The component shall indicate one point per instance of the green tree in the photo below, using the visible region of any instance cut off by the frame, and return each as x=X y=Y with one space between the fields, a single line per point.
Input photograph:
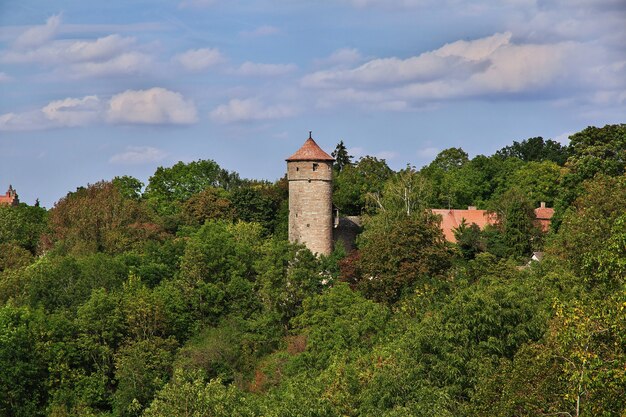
x=189 y=394
x=450 y=159
x=469 y=240
x=170 y=186
x=516 y=223
x=342 y=158
x=398 y=255
x=287 y=274
x=537 y=150
x=336 y=321
x=593 y=151
x=590 y=239
x=14 y=256
x=130 y=187
x=142 y=367
x=22 y=360
x=22 y=225
x=209 y=204
x=356 y=181
x=100 y=218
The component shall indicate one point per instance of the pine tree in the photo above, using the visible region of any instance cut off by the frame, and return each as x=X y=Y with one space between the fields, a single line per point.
x=341 y=156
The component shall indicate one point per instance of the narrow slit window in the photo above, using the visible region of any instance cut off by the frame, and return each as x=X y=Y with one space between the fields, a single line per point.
x=315 y=166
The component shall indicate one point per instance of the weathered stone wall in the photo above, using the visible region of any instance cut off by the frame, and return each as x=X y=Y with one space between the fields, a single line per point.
x=310 y=204
x=347 y=231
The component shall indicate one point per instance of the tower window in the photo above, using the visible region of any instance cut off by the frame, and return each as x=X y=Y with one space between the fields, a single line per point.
x=297 y=168
x=315 y=167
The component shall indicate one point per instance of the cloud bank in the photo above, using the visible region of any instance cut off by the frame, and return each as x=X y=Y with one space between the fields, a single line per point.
x=155 y=106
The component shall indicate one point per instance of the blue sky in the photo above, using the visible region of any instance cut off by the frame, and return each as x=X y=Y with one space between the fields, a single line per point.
x=91 y=90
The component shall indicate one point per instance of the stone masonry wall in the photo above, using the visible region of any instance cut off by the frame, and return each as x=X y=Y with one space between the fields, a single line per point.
x=310 y=205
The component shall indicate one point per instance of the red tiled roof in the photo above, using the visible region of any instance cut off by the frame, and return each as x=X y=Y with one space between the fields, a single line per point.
x=544 y=213
x=451 y=219
x=310 y=151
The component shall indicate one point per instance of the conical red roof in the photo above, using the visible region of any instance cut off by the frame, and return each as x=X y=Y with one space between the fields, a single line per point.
x=310 y=151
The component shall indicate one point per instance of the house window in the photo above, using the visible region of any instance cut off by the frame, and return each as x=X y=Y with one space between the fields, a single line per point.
x=315 y=167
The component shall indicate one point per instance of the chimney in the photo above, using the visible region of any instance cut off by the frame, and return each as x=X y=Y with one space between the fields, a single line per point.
x=471 y=207
x=543 y=204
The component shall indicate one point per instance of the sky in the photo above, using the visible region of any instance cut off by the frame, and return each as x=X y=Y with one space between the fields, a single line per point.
x=92 y=90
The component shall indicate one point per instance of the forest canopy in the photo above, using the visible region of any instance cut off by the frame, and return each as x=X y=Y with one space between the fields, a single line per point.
x=183 y=296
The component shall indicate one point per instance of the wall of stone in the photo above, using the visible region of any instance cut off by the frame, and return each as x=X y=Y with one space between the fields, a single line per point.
x=347 y=231
x=310 y=205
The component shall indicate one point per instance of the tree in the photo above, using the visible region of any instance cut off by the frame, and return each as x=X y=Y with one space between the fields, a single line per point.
x=142 y=367
x=189 y=394
x=22 y=225
x=170 y=186
x=259 y=203
x=598 y=150
x=404 y=194
x=449 y=159
x=209 y=204
x=536 y=149
x=342 y=159
x=130 y=187
x=469 y=240
x=404 y=253
x=339 y=320
x=13 y=256
x=287 y=274
x=516 y=222
x=354 y=182
x=22 y=360
x=590 y=239
x=539 y=181
x=593 y=151
x=100 y=218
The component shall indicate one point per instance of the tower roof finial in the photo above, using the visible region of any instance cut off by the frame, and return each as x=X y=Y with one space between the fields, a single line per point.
x=310 y=133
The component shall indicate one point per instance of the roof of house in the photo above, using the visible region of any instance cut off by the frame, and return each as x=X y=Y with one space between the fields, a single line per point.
x=452 y=218
x=544 y=213
x=310 y=151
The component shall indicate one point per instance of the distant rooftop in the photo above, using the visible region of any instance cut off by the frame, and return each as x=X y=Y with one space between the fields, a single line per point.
x=452 y=219
x=310 y=151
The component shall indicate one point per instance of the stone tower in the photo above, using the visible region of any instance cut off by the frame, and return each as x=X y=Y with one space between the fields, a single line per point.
x=310 y=175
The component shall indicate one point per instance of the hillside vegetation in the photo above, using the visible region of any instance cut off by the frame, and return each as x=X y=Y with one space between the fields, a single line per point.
x=183 y=297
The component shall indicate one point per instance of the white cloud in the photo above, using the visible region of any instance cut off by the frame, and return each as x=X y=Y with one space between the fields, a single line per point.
x=484 y=67
x=154 y=106
x=386 y=155
x=105 y=56
x=137 y=155
x=38 y=35
x=265 y=30
x=72 y=112
x=200 y=59
x=265 y=70
x=563 y=138
x=32 y=120
x=71 y=51
x=101 y=49
x=123 y=64
x=238 y=110
x=340 y=58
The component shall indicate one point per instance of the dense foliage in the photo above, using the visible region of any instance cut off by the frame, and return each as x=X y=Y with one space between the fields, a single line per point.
x=186 y=299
